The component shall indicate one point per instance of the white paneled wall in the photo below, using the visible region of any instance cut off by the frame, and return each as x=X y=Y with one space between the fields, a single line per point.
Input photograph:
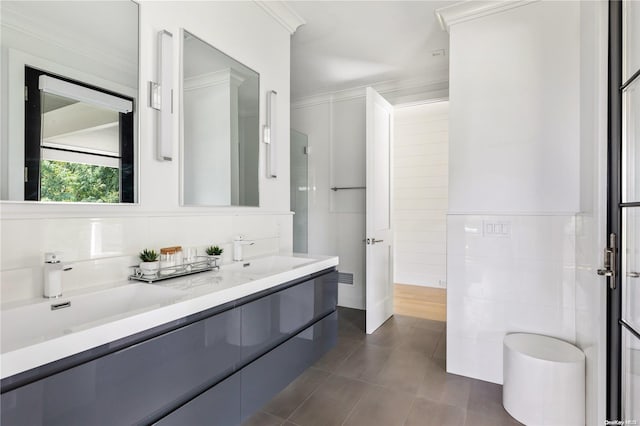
x=421 y=151
x=515 y=110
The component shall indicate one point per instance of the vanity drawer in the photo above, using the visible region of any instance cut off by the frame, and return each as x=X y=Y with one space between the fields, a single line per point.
x=219 y=406
x=272 y=372
x=270 y=320
x=133 y=384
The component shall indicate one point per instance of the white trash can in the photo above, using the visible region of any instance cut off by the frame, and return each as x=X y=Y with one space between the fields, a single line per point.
x=544 y=380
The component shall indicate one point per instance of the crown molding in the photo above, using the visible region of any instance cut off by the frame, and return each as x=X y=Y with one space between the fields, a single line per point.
x=283 y=13
x=45 y=31
x=384 y=88
x=473 y=9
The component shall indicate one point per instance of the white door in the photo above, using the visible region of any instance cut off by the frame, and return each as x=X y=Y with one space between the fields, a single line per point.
x=379 y=236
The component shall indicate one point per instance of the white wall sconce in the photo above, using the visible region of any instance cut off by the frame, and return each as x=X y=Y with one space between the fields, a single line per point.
x=161 y=97
x=269 y=135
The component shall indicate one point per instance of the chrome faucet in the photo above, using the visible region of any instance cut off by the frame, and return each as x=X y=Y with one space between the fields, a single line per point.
x=238 y=242
x=53 y=268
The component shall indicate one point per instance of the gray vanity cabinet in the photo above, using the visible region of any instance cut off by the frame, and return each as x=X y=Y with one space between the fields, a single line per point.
x=219 y=368
x=134 y=384
x=259 y=381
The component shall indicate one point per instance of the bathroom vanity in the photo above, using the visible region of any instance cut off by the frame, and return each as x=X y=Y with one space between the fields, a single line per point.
x=206 y=349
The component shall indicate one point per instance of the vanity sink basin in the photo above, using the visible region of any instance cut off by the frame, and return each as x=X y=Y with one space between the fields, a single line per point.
x=25 y=325
x=268 y=265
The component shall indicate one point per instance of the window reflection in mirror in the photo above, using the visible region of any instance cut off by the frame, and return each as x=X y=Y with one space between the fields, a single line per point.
x=92 y=44
x=78 y=142
x=220 y=134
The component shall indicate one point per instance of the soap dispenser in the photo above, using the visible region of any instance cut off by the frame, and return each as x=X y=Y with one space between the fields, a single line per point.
x=53 y=268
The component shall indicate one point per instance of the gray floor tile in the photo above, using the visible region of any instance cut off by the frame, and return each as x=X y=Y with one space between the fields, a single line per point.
x=480 y=418
x=485 y=397
x=420 y=340
x=390 y=334
x=485 y=403
x=337 y=355
x=439 y=386
x=293 y=395
x=331 y=403
x=431 y=325
x=351 y=321
x=404 y=371
x=428 y=413
x=381 y=407
x=365 y=363
x=395 y=376
x=263 y=419
x=403 y=320
x=441 y=348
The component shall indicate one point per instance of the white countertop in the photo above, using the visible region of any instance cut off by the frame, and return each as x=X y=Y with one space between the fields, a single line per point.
x=196 y=293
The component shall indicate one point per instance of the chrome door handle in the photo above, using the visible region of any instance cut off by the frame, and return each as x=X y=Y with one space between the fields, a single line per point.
x=633 y=274
x=372 y=241
x=605 y=272
x=609 y=269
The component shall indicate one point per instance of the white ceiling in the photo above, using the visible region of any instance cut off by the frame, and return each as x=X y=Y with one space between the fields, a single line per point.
x=347 y=44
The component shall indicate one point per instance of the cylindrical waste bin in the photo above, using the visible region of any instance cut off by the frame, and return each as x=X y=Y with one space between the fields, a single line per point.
x=544 y=380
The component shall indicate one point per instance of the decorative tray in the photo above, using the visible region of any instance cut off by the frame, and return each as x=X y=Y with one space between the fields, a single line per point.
x=166 y=272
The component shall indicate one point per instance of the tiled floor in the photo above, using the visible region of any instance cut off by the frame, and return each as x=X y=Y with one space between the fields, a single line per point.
x=395 y=376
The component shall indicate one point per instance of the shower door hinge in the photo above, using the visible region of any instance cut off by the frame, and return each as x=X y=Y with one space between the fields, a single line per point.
x=609 y=269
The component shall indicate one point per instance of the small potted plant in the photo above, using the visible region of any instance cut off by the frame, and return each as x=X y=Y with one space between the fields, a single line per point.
x=149 y=263
x=214 y=253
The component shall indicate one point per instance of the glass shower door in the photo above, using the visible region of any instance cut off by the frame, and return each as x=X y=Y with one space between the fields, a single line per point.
x=299 y=190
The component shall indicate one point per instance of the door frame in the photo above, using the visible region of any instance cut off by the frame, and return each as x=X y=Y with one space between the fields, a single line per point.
x=615 y=206
x=614 y=135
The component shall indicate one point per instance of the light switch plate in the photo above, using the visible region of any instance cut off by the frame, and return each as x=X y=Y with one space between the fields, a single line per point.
x=493 y=228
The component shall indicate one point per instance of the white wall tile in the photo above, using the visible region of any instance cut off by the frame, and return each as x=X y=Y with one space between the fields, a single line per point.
x=101 y=249
x=497 y=286
x=476 y=358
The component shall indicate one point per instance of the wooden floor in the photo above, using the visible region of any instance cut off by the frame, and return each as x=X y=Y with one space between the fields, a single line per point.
x=420 y=302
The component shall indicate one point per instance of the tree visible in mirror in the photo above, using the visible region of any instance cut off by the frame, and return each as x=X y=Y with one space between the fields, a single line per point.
x=75 y=182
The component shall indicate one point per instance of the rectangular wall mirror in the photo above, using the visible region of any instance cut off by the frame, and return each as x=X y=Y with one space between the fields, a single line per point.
x=220 y=127
x=69 y=85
